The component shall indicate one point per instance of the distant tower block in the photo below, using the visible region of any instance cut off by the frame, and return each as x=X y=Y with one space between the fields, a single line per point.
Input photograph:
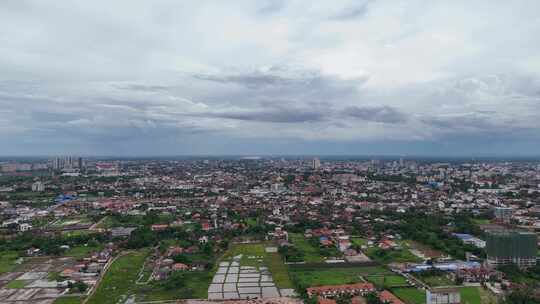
x=315 y=163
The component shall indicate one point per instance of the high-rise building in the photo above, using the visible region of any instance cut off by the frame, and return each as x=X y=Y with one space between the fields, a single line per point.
x=67 y=162
x=503 y=214
x=38 y=186
x=315 y=163
x=511 y=247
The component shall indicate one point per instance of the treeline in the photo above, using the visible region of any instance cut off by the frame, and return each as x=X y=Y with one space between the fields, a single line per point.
x=428 y=229
x=49 y=245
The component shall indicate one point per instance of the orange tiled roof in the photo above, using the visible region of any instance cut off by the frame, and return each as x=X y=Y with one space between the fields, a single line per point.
x=322 y=300
x=337 y=288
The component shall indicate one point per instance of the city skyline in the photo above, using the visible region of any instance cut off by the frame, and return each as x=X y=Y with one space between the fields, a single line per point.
x=270 y=78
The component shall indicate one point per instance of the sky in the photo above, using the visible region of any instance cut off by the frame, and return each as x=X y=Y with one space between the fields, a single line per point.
x=130 y=78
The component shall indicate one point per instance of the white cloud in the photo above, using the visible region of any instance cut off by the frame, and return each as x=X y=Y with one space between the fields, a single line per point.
x=264 y=70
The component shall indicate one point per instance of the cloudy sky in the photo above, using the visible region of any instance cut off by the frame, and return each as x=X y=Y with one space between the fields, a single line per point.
x=269 y=77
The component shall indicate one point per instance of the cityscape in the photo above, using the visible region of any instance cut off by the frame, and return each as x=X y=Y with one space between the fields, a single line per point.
x=269 y=152
x=270 y=229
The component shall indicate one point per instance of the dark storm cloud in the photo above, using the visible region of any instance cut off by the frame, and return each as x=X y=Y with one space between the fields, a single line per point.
x=480 y=122
x=384 y=114
x=353 y=12
x=269 y=7
x=144 y=88
x=252 y=81
x=272 y=115
x=281 y=78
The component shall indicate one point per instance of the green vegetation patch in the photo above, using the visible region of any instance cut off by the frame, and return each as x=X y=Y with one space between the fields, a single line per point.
x=68 y=300
x=316 y=276
x=357 y=241
x=410 y=295
x=7 y=261
x=311 y=253
x=119 y=281
x=74 y=220
x=387 y=281
x=279 y=270
x=16 y=284
x=480 y=221
x=82 y=251
x=470 y=295
x=186 y=285
x=392 y=256
x=256 y=249
x=436 y=281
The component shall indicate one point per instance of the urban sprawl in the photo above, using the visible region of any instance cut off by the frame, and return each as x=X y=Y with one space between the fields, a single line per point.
x=269 y=230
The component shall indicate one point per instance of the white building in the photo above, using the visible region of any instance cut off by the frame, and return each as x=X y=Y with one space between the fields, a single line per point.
x=443 y=296
x=24 y=227
x=38 y=186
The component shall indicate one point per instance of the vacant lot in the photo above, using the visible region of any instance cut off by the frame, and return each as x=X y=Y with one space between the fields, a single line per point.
x=359 y=241
x=68 y=300
x=392 y=256
x=82 y=251
x=410 y=295
x=70 y=221
x=7 y=261
x=436 y=280
x=16 y=284
x=387 y=281
x=426 y=250
x=470 y=295
x=195 y=286
x=279 y=270
x=119 y=281
x=311 y=253
x=316 y=276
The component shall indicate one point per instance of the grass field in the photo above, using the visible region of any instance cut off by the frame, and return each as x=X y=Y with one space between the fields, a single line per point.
x=77 y=232
x=481 y=221
x=75 y=220
x=333 y=275
x=16 y=284
x=247 y=251
x=7 y=261
x=387 y=281
x=256 y=249
x=82 y=251
x=470 y=295
x=359 y=241
x=279 y=270
x=119 y=281
x=392 y=256
x=311 y=253
x=410 y=295
x=251 y=221
x=68 y=300
x=436 y=281
x=486 y=297
x=195 y=287
x=106 y=223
